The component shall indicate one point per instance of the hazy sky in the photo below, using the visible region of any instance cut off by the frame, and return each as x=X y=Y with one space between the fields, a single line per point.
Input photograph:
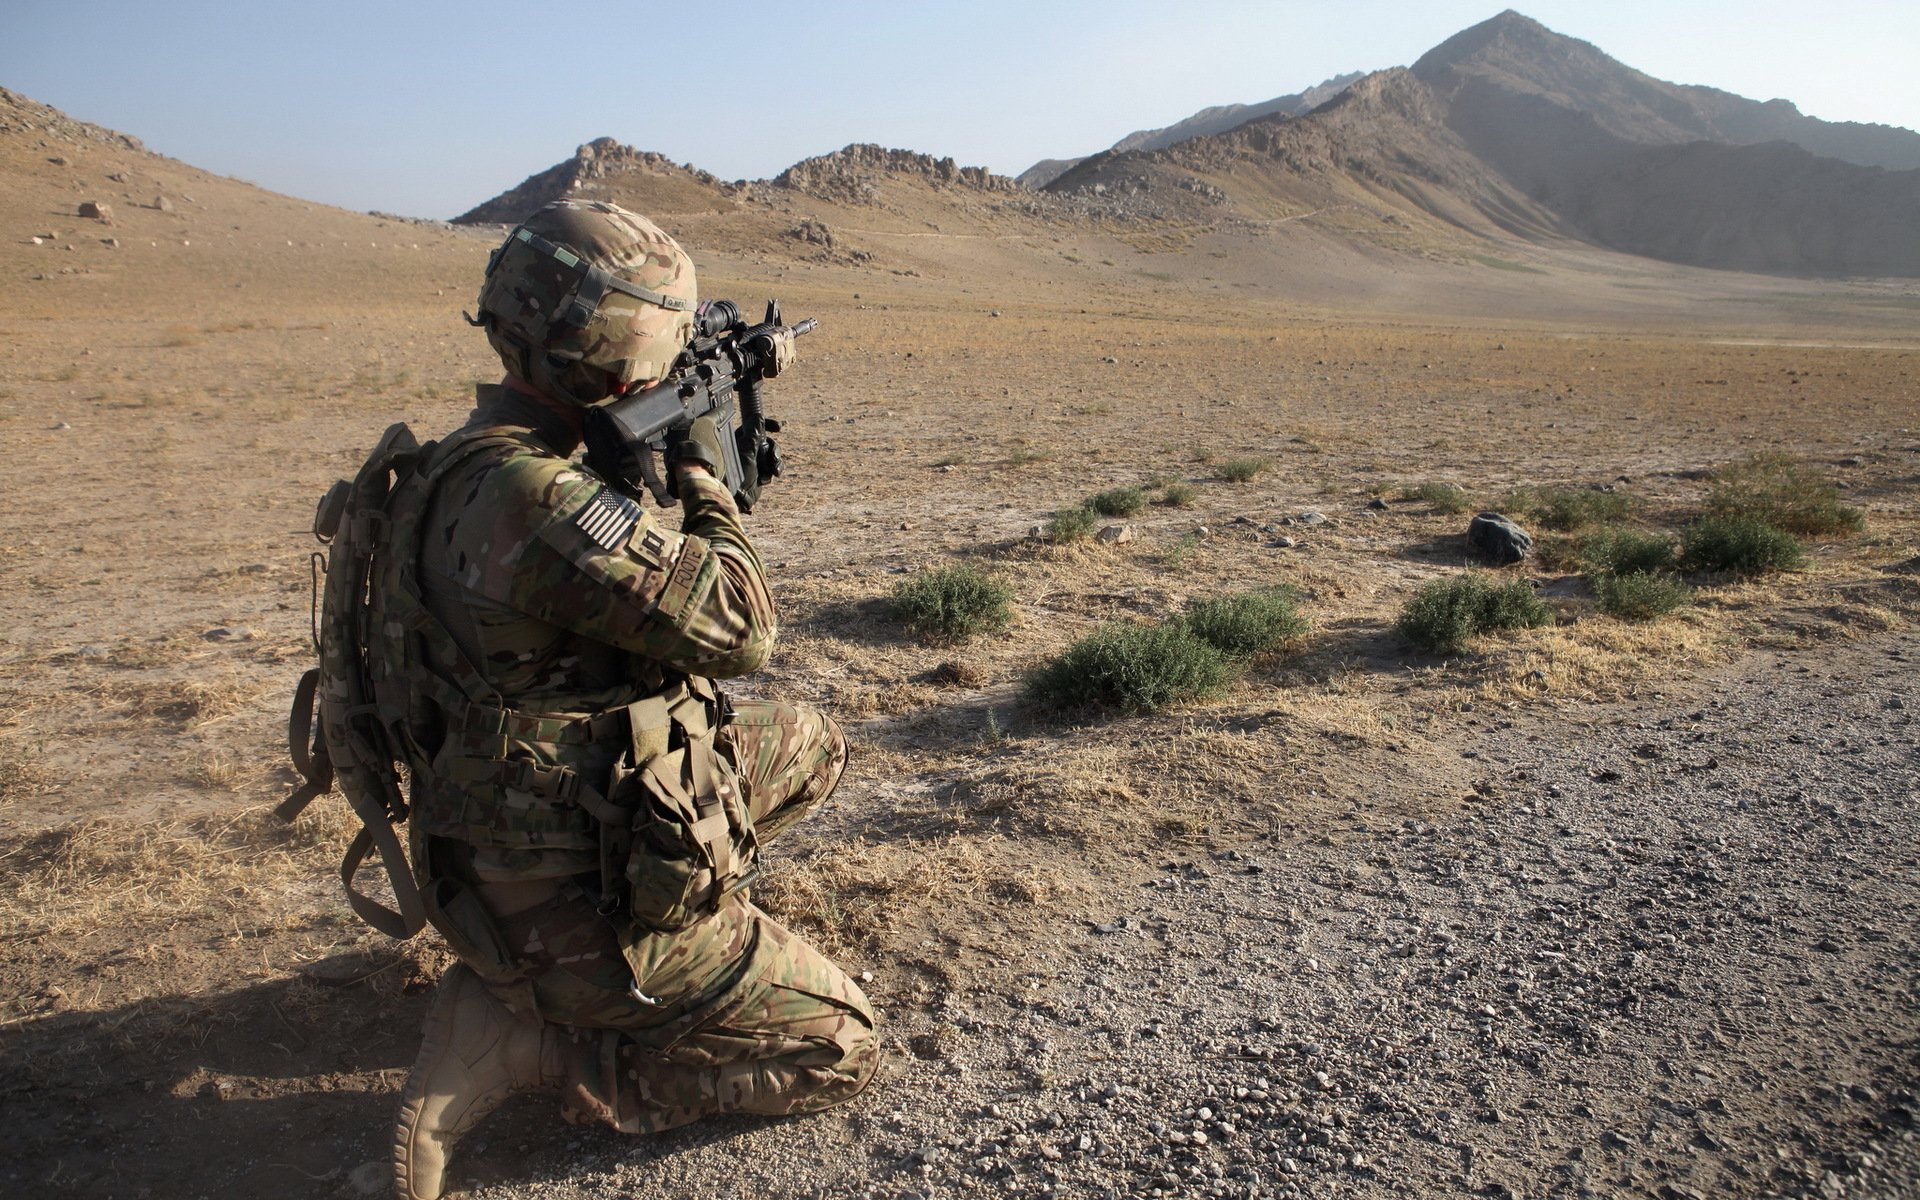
x=429 y=108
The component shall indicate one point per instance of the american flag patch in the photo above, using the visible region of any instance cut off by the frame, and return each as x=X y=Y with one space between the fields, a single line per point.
x=608 y=519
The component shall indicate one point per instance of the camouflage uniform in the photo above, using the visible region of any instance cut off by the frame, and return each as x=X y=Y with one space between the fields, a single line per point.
x=570 y=600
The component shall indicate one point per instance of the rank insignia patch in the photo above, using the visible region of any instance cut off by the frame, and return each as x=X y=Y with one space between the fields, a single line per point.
x=608 y=519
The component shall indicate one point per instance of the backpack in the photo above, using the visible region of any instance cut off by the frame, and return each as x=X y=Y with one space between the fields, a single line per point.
x=336 y=733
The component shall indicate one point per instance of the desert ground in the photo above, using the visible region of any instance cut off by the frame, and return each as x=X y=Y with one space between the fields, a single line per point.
x=1597 y=909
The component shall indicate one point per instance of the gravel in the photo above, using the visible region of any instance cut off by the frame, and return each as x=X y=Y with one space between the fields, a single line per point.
x=1672 y=951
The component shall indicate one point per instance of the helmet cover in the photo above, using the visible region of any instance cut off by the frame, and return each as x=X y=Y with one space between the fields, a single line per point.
x=585 y=299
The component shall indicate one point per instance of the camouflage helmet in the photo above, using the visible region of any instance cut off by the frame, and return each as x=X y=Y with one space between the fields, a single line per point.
x=585 y=298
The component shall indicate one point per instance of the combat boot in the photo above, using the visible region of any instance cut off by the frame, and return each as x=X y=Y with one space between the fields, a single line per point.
x=474 y=1053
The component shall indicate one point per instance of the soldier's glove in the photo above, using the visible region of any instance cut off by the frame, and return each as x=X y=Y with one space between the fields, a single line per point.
x=697 y=442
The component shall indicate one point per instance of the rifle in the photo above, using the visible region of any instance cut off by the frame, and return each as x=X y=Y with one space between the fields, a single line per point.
x=718 y=375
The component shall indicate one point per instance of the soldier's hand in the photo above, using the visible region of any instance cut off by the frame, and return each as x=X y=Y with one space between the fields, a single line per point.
x=699 y=443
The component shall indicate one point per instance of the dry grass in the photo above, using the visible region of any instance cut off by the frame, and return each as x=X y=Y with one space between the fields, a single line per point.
x=148 y=653
x=218 y=771
x=21 y=773
x=1606 y=660
x=189 y=703
x=93 y=876
x=848 y=896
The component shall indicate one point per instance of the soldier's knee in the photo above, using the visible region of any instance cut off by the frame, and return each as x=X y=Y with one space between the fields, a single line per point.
x=835 y=743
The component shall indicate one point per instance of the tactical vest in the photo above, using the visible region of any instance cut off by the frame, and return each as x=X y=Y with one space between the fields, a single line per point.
x=647 y=784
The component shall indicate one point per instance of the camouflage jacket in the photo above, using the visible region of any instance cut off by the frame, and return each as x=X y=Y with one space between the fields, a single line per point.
x=570 y=598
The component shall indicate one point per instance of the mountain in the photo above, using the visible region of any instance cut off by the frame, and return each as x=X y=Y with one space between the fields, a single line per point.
x=1516 y=56
x=604 y=169
x=1508 y=129
x=1637 y=164
x=1379 y=153
x=1217 y=119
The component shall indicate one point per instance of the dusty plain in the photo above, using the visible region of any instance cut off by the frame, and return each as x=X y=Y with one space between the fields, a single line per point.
x=1397 y=925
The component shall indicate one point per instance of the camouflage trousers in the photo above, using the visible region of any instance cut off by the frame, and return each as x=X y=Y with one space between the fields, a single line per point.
x=733 y=1014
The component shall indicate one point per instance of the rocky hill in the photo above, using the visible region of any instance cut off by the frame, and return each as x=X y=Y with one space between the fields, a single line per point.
x=1223 y=117
x=605 y=169
x=28 y=118
x=852 y=175
x=1218 y=119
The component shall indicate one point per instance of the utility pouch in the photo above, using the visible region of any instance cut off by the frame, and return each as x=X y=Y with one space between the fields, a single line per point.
x=690 y=842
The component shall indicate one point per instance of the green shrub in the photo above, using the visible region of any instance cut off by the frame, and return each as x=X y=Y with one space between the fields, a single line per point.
x=1620 y=551
x=1744 y=545
x=1784 y=494
x=1247 y=624
x=1444 y=497
x=1444 y=614
x=1181 y=552
x=1640 y=595
x=1135 y=668
x=1179 y=495
x=1118 y=502
x=1570 y=508
x=953 y=602
x=1241 y=470
x=1072 y=524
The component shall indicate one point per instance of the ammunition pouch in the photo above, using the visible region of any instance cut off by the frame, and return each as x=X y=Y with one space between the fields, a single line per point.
x=688 y=842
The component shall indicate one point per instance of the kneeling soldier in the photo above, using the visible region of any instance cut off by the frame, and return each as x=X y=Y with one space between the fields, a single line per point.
x=592 y=803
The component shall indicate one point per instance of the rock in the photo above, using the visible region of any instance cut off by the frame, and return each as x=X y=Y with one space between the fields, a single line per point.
x=96 y=210
x=1310 y=517
x=1114 y=535
x=1109 y=359
x=1284 y=543
x=61 y=425
x=162 y=203
x=1498 y=539
x=994 y=313
x=110 y=243
x=1376 y=503
x=228 y=633
x=812 y=232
